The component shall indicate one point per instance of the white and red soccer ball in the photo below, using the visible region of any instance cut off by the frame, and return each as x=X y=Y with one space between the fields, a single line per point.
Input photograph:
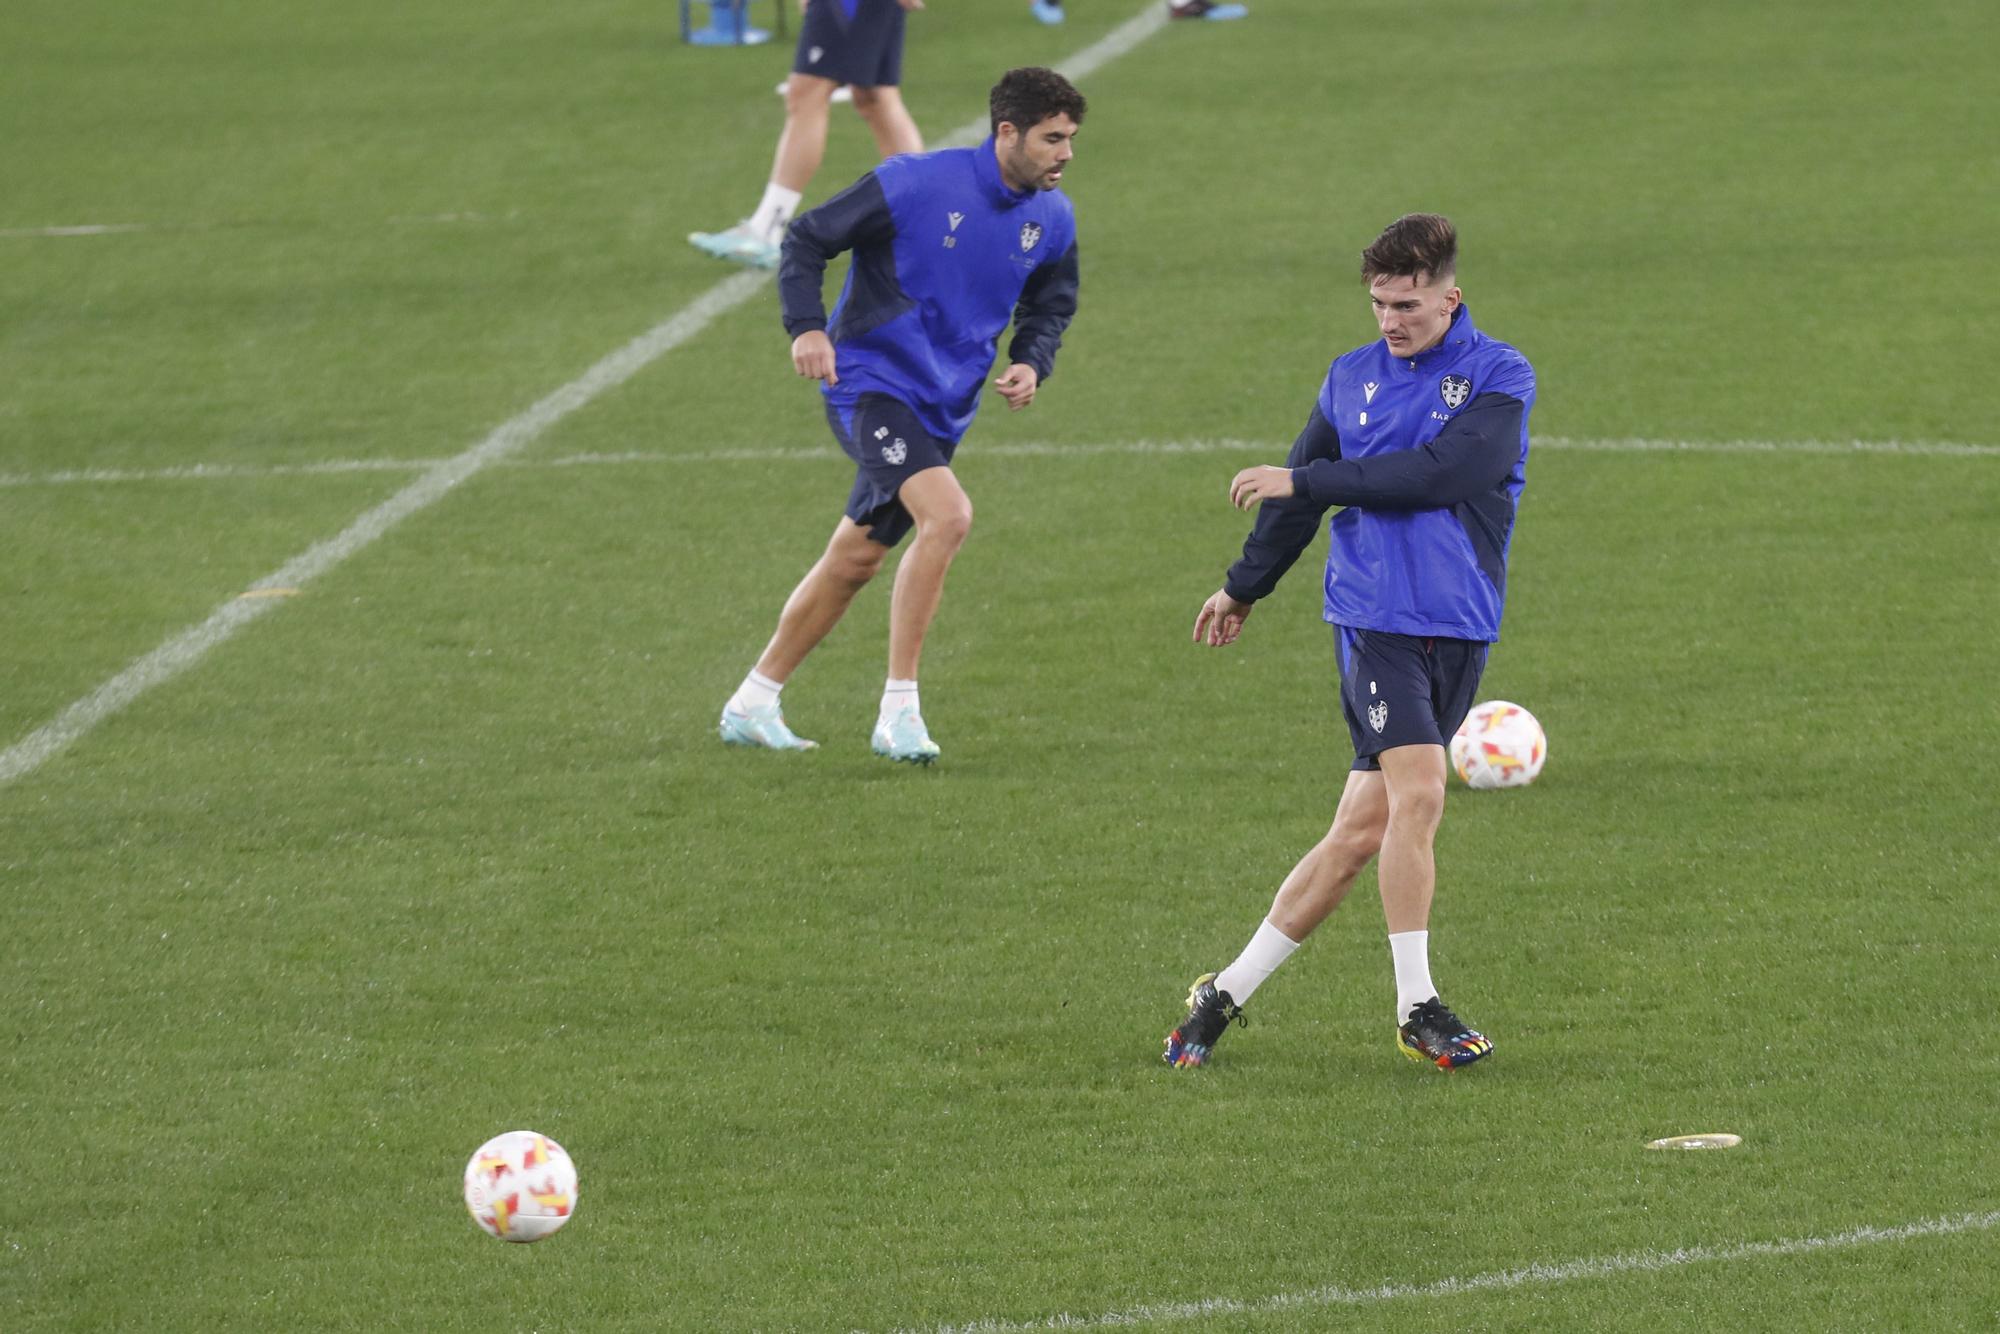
x=520 y=1186
x=1499 y=745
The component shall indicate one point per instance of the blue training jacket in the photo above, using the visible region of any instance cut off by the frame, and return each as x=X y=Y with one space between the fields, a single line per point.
x=1428 y=455
x=945 y=255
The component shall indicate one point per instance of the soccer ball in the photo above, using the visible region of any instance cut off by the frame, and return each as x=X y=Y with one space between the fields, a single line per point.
x=520 y=1186
x=1499 y=745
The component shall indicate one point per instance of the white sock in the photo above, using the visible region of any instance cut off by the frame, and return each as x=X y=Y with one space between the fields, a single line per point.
x=896 y=696
x=1412 y=952
x=756 y=691
x=1260 y=958
x=774 y=212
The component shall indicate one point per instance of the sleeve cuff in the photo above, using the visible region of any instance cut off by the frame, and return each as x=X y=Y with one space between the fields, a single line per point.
x=805 y=324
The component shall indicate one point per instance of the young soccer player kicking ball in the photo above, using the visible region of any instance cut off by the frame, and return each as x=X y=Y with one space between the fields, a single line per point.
x=1423 y=437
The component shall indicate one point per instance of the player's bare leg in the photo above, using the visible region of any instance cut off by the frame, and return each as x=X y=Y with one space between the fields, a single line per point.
x=888 y=120
x=1427 y=1029
x=802 y=143
x=944 y=517
x=756 y=241
x=1308 y=896
x=943 y=514
x=821 y=598
x=1323 y=876
x=752 y=717
x=1414 y=779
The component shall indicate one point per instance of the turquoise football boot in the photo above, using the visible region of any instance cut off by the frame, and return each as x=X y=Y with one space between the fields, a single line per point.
x=763 y=727
x=739 y=245
x=905 y=738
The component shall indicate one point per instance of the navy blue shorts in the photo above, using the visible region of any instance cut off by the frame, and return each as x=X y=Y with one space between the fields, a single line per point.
x=889 y=446
x=1401 y=690
x=852 y=41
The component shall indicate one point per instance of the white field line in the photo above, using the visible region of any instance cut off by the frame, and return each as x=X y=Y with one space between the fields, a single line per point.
x=1535 y=1275
x=201 y=472
x=80 y=229
x=124 y=228
x=1638 y=445
x=1018 y=449
x=188 y=647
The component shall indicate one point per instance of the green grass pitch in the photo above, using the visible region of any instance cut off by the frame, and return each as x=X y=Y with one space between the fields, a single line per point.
x=444 y=844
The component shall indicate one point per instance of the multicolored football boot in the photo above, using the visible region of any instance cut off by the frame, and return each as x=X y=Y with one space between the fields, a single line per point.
x=1436 y=1035
x=1209 y=1012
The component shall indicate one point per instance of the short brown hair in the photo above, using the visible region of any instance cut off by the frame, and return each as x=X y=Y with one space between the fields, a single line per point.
x=1423 y=246
x=1026 y=97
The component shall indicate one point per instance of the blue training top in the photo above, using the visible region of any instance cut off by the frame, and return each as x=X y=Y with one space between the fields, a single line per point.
x=945 y=255
x=1429 y=455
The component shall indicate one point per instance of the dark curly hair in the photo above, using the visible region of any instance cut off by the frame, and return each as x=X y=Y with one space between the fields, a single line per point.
x=1028 y=96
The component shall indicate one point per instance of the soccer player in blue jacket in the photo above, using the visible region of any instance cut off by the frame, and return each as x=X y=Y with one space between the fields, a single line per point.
x=1423 y=438
x=949 y=247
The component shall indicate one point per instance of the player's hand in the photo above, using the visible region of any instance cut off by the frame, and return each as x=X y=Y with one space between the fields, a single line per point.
x=1253 y=485
x=911 y=4
x=1221 y=619
x=1017 y=386
x=812 y=356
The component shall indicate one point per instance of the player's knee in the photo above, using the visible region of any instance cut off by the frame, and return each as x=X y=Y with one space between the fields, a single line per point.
x=805 y=93
x=950 y=525
x=1353 y=846
x=858 y=565
x=853 y=561
x=1417 y=803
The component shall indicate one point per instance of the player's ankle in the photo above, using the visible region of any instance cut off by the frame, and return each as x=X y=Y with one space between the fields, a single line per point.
x=897 y=695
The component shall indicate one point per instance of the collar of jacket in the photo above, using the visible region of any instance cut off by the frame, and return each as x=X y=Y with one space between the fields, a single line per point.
x=986 y=165
x=1458 y=336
